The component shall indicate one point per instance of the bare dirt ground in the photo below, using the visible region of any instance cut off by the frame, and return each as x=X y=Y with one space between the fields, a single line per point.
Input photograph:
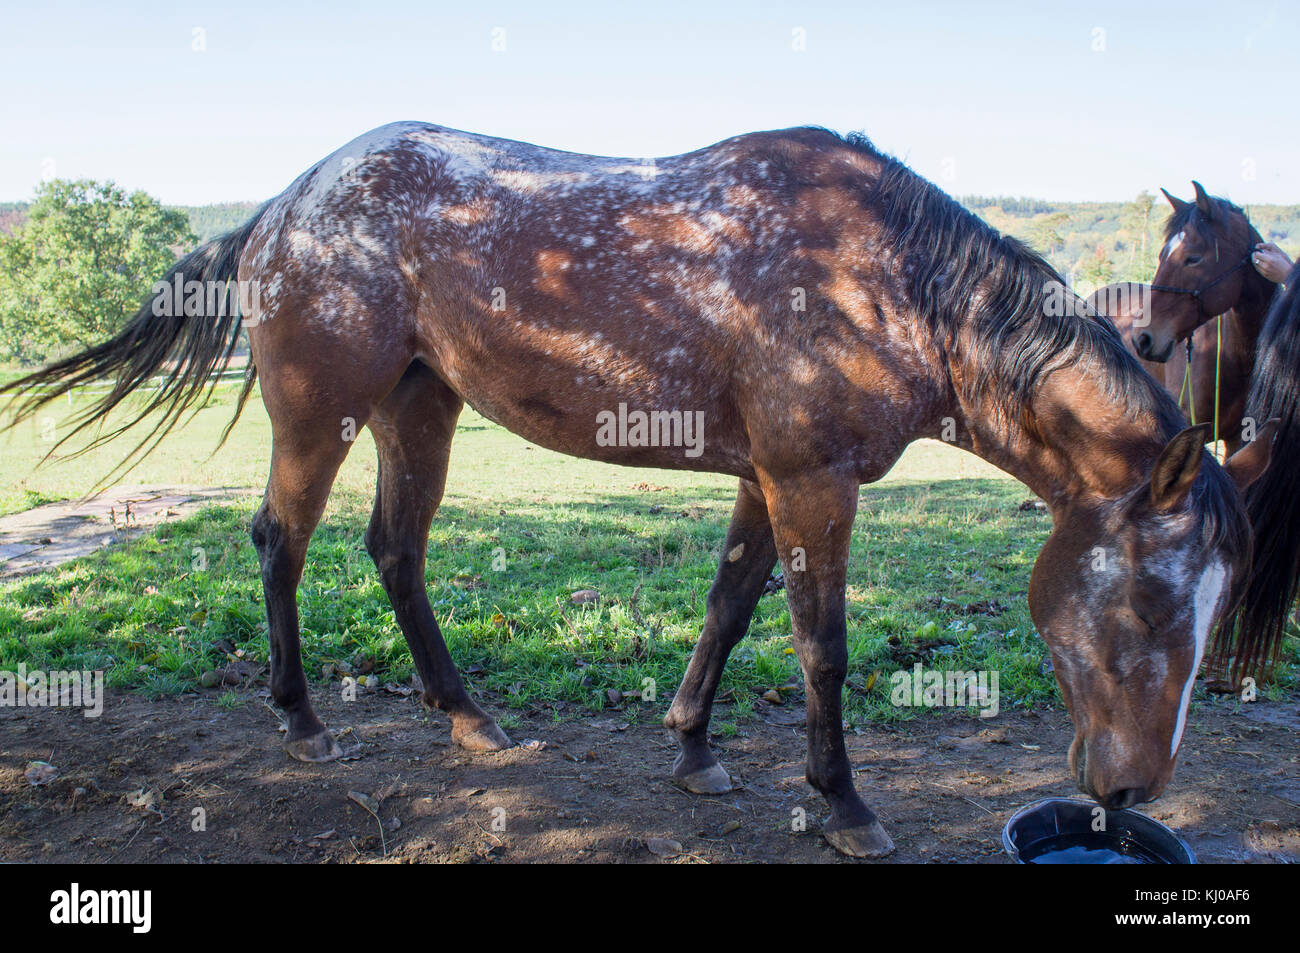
x=590 y=788
x=46 y=536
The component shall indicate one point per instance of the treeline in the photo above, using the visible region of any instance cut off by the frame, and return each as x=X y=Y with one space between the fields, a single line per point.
x=1013 y=206
x=1100 y=242
x=77 y=262
x=209 y=221
x=206 y=221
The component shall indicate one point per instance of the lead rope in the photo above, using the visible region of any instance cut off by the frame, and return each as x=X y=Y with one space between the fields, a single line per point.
x=1189 y=390
x=1218 y=364
x=1187 y=384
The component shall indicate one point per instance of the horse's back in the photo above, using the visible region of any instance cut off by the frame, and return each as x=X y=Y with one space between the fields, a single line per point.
x=551 y=290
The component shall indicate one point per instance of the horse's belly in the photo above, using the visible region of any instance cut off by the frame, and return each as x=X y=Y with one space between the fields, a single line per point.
x=584 y=413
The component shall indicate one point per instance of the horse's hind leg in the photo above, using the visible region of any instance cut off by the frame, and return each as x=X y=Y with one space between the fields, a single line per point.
x=812 y=513
x=413 y=429
x=305 y=458
x=318 y=387
x=748 y=556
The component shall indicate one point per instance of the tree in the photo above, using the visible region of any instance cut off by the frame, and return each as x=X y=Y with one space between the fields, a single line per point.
x=1137 y=219
x=82 y=264
x=1047 y=236
x=1098 y=271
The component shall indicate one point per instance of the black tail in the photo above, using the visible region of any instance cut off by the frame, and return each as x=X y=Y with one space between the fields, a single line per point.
x=1249 y=639
x=191 y=349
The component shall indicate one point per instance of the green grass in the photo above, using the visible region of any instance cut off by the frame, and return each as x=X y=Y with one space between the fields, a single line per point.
x=942 y=531
x=185 y=458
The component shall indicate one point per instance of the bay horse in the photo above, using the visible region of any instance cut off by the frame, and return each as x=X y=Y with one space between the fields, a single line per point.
x=1223 y=359
x=1205 y=271
x=817 y=302
x=1205 y=289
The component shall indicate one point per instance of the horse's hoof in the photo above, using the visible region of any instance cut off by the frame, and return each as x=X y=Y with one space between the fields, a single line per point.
x=314 y=748
x=484 y=737
x=867 y=840
x=711 y=780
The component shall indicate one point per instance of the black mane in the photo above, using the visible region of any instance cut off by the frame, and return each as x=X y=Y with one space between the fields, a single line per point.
x=963 y=275
x=1252 y=636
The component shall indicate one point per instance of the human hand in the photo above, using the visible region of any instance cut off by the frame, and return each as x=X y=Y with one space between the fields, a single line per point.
x=1271 y=261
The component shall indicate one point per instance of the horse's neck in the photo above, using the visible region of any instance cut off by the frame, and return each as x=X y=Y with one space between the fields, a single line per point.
x=1073 y=439
x=1257 y=293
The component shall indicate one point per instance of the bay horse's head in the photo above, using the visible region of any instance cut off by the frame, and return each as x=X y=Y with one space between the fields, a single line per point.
x=1126 y=593
x=1201 y=273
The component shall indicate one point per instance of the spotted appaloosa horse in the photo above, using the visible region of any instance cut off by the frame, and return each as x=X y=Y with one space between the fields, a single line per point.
x=819 y=303
x=1209 y=289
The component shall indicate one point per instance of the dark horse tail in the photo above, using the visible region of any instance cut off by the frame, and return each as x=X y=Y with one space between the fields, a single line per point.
x=187 y=349
x=1251 y=636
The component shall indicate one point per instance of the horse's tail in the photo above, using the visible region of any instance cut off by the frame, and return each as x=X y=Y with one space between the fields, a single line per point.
x=1249 y=639
x=190 y=349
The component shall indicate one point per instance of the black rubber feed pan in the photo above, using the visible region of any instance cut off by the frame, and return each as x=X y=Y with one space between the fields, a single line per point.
x=1059 y=830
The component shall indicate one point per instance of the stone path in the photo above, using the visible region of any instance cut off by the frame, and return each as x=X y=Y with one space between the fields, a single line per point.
x=49 y=535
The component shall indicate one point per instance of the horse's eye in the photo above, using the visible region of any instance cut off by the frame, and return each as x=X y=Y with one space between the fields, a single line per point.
x=1193 y=260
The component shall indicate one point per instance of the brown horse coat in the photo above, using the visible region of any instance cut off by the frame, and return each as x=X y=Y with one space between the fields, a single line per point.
x=808 y=305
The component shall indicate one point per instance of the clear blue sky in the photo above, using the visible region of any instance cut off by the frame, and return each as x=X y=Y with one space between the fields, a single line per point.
x=986 y=97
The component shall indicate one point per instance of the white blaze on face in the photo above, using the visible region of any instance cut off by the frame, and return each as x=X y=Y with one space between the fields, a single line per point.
x=1173 y=244
x=1204 y=602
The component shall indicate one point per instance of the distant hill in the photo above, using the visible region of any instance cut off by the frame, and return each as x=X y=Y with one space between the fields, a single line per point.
x=1088 y=242
x=1103 y=241
x=209 y=221
x=206 y=221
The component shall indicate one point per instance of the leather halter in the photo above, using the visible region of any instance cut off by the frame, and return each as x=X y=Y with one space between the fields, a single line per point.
x=1196 y=293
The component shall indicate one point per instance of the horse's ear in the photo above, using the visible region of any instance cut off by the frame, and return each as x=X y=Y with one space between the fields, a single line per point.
x=1249 y=463
x=1177 y=203
x=1203 y=201
x=1176 y=470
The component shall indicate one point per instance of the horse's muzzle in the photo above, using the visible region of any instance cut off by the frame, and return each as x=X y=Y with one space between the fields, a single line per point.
x=1145 y=346
x=1117 y=799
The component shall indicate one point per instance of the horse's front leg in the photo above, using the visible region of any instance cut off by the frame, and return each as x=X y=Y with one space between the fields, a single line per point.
x=747 y=559
x=812 y=519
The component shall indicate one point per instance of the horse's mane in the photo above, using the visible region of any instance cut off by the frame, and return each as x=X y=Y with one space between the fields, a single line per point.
x=1252 y=635
x=967 y=279
x=964 y=275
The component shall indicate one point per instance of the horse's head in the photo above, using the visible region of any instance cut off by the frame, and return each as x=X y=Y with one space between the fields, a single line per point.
x=1207 y=245
x=1126 y=593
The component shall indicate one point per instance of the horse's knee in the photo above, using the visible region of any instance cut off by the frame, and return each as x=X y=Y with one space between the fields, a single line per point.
x=401 y=566
x=261 y=529
x=825 y=663
x=268 y=539
x=729 y=614
x=266 y=532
